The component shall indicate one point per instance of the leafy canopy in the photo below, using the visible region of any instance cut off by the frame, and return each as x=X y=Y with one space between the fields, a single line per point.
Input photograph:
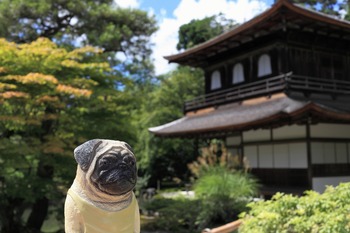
x=162 y=102
x=331 y=7
x=98 y=22
x=122 y=34
x=198 y=31
x=51 y=99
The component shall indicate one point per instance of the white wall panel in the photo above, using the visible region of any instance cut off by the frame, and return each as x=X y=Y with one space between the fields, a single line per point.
x=281 y=155
x=251 y=154
x=265 y=156
x=317 y=155
x=286 y=132
x=257 y=135
x=233 y=141
x=298 y=155
x=330 y=131
x=319 y=183
x=341 y=153
x=329 y=152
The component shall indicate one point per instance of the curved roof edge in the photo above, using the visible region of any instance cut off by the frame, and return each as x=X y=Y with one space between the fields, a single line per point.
x=257 y=19
x=281 y=110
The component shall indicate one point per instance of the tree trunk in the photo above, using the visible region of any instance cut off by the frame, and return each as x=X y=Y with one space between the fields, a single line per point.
x=10 y=215
x=38 y=214
x=45 y=172
x=41 y=205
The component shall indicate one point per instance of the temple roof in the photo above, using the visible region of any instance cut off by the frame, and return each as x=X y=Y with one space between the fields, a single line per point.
x=281 y=16
x=262 y=112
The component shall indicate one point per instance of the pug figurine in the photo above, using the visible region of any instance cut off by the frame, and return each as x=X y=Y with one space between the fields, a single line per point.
x=101 y=198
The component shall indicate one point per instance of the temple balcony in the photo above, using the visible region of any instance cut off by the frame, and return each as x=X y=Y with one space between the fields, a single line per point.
x=288 y=83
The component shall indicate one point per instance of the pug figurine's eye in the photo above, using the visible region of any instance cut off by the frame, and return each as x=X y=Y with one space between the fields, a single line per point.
x=105 y=162
x=129 y=160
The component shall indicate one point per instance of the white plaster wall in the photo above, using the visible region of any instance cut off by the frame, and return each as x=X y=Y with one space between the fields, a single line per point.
x=330 y=131
x=288 y=155
x=341 y=152
x=287 y=132
x=297 y=155
x=329 y=152
x=251 y=154
x=265 y=157
x=317 y=155
x=233 y=141
x=281 y=155
x=319 y=183
x=257 y=135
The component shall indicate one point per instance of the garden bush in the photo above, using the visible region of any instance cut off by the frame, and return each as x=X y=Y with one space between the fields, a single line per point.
x=328 y=212
x=223 y=194
x=174 y=215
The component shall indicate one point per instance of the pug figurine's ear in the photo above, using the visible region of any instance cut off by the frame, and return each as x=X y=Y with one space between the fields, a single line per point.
x=128 y=146
x=85 y=153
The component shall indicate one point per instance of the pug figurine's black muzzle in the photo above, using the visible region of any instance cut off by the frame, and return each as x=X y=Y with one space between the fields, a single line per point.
x=115 y=172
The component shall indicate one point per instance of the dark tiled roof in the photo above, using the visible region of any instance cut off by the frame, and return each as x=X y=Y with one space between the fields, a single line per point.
x=282 y=12
x=256 y=113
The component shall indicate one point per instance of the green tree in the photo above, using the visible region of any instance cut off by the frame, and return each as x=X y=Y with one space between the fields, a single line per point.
x=75 y=23
x=162 y=102
x=51 y=99
x=162 y=158
x=331 y=7
x=199 y=31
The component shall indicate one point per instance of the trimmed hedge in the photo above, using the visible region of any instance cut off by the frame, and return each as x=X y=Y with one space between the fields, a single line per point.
x=322 y=213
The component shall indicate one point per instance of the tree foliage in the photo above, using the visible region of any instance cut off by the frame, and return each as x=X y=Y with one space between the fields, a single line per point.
x=162 y=158
x=100 y=23
x=331 y=7
x=313 y=212
x=198 y=31
x=51 y=99
x=76 y=23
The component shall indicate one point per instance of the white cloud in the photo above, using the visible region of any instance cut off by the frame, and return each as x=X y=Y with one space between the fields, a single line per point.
x=166 y=38
x=127 y=3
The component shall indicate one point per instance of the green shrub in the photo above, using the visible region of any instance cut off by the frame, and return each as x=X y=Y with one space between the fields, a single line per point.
x=174 y=215
x=322 y=213
x=223 y=195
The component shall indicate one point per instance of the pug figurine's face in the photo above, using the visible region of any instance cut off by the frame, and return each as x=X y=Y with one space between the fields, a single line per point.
x=110 y=165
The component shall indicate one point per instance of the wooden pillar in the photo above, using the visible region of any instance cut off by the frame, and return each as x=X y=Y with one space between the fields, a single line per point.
x=241 y=146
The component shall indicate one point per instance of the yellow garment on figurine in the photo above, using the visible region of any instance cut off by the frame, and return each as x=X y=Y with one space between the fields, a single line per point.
x=97 y=220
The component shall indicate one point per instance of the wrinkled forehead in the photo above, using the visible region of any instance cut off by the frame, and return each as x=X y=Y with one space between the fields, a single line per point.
x=112 y=146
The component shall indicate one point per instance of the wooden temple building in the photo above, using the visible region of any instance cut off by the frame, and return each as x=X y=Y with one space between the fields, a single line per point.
x=277 y=90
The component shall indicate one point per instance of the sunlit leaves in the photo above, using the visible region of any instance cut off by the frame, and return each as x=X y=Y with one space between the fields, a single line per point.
x=310 y=213
x=41 y=62
x=32 y=78
x=73 y=91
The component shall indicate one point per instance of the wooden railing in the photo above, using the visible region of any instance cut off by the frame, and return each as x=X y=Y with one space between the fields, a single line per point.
x=227 y=228
x=311 y=84
x=269 y=86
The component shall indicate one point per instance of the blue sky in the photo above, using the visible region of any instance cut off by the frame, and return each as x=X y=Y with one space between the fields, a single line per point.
x=159 y=5
x=171 y=14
